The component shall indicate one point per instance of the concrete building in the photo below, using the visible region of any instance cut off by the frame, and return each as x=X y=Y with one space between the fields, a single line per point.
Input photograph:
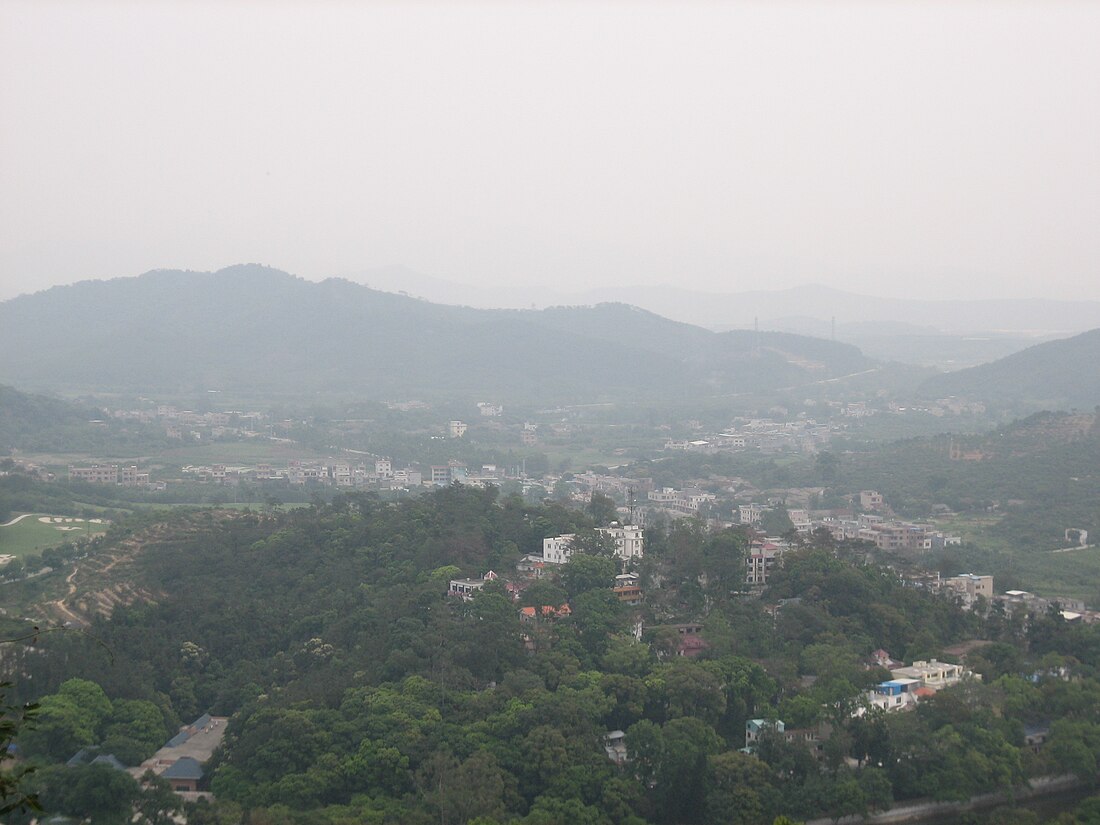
x=968 y=587
x=629 y=540
x=96 y=474
x=466 y=588
x=557 y=549
x=870 y=500
x=932 y=674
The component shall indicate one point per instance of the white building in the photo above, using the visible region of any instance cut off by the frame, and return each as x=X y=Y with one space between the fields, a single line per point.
x=456 y=429
x=557 y=549
x=629 y=541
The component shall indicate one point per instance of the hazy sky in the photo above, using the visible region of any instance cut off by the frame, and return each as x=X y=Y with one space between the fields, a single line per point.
x=940 y=149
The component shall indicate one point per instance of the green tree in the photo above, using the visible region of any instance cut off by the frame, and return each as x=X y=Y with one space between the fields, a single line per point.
x=602 y=509
x=13 y=796
x=103 y=794
x=741 y=789
x=584 y=572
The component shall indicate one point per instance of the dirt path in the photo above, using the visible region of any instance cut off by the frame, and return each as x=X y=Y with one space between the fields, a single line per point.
x=1074 y=549
x=59 y=604
x=18 y=519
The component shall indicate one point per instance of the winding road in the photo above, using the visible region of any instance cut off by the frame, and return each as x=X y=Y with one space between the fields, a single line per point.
x=18 y=519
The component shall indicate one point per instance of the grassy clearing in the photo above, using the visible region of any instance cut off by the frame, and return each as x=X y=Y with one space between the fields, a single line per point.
x=1075 y=574
x=31 y=535
x=237 y=452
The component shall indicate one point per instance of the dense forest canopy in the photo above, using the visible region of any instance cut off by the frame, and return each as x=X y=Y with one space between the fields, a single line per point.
x=359 y=692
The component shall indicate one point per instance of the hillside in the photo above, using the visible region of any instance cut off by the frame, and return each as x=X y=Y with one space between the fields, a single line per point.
x=27 y=419
x=1053 y=375
x=356 y=691
x=260 y=330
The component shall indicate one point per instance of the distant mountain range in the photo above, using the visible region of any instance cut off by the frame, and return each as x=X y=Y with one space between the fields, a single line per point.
x=260 y=330
x=1055 y=375
x=809 y=309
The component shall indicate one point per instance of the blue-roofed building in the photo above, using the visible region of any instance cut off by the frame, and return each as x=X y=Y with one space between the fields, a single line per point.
x=178 y=739
x=92 y=756
x=184 y=774
x=110 y=760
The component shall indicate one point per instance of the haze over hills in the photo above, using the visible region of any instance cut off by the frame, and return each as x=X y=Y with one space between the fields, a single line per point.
x=807 y=309
x=1053 y=375
x=261 y=330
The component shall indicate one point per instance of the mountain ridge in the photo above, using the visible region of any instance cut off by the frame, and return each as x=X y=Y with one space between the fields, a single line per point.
x=171 y=330
x=1062 y=374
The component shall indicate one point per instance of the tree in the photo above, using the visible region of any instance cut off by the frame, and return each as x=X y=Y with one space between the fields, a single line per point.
x=12 y=720
x=597 y=615
x=584 y=572
x=681 y=793
x=103 y=794
x=134 y=730
x=157 y=804
x=740 y=789
x=602 y=509
x=592 y=542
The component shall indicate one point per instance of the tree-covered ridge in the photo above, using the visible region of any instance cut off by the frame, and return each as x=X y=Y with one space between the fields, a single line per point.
x=361 y=693
x=1053 y=375
x=31 y=422
x=214 y=330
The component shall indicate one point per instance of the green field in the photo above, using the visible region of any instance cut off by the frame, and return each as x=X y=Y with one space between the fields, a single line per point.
x=1075 y=573
x=29 y=535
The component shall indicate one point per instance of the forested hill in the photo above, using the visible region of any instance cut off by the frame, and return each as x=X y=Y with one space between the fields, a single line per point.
x=28 y=419
x=257 y=329
x=360 y=693
x=1055 y=375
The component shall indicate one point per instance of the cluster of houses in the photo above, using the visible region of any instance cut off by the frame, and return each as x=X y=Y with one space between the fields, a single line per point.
x=197 y=425
x=909 y=684
x=880 y=530
x=122 y=475
x=762 y=434
x=180 y=761
x=556 y=551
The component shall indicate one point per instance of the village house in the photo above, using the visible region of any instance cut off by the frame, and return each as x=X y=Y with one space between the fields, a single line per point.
x=614 y=745
x=627 y=589
x=932 y=674
x=968 y=587
x=466 y=588
x=546 y=612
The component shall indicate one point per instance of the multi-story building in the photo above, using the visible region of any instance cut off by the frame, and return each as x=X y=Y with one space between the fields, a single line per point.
x=96 y=474
x=870 y=500
x=750 y=513
x=968 y=587
x=629 y=540
x=558 y=549
x=761 y=561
